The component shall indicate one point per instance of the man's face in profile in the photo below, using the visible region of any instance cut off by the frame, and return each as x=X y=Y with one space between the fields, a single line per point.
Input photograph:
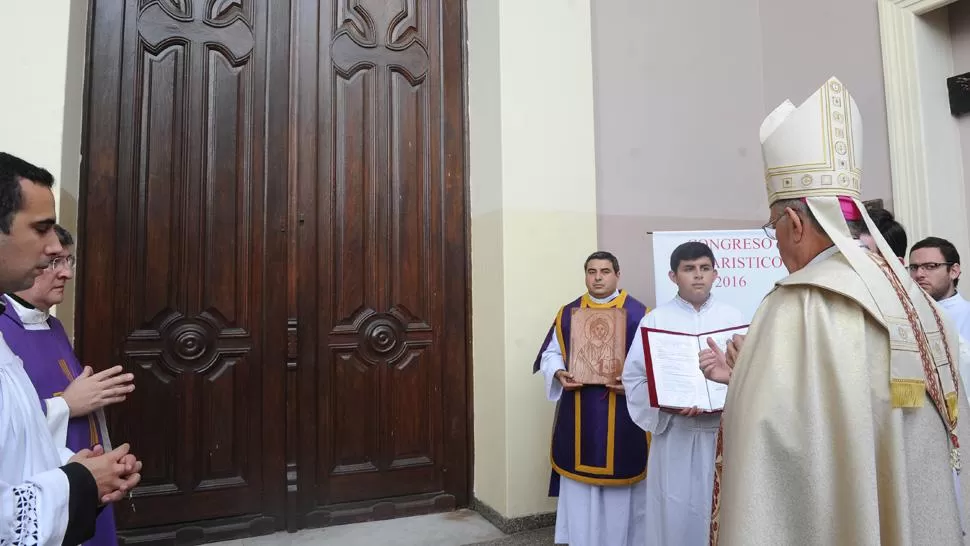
x=30 y=246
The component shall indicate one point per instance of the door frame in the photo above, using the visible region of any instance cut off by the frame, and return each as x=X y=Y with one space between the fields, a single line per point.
x=929 y=193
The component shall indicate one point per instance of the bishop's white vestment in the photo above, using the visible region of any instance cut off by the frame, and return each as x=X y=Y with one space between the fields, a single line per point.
x=843 y=424
x=41 y=501
x=680 y=471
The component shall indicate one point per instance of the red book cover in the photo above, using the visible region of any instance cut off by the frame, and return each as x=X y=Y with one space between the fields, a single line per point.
x=715 y=392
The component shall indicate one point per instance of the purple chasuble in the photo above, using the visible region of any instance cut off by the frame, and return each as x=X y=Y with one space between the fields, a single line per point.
x=594 y=440
x=51 y=365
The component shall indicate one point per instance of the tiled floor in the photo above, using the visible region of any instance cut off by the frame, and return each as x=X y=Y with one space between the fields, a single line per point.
x=448 y=529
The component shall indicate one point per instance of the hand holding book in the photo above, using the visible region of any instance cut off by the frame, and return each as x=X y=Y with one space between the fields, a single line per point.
x=674 y=376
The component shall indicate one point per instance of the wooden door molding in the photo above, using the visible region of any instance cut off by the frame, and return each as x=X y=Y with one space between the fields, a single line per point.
x=179 y=224
x=273 y=236
x=384 y=409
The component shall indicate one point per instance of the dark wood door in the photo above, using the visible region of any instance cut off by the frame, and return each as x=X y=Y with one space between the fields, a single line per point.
x=383 y=403
x=273 y=239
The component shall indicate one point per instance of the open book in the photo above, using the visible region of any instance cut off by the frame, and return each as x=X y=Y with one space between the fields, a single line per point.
x=674 y=375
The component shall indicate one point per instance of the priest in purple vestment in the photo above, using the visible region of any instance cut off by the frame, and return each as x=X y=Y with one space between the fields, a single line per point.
x=72 y=395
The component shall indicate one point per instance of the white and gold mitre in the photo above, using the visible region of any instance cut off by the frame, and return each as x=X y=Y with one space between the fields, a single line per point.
x=814 y=150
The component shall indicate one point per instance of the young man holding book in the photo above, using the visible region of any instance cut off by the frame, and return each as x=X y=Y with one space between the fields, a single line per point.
x=598 y=454
x=680 y=473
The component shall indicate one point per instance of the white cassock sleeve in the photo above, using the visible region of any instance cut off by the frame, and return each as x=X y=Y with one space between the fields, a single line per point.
x=50 y=507
x=634 y=378
x=35 y=512
x=551 y=363
x=58 y=414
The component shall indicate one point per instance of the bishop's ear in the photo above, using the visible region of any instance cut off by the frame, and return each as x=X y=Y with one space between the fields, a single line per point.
x=797 y=225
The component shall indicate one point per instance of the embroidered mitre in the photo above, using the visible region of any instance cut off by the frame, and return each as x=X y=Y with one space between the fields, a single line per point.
x=815 y=149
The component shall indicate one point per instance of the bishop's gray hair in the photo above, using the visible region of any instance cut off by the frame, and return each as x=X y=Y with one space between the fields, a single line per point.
x=800 y=207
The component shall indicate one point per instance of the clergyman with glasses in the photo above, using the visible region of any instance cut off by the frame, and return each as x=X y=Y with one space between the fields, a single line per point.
x=934 y=264
x=73 y=395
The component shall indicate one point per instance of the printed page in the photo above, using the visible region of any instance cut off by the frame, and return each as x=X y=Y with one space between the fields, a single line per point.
x=677 y=376
x=717 y=392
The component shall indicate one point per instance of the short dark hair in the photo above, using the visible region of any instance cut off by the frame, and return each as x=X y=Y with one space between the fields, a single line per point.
x=63 y=236
x=690 y=251
x=891 y=230
x=12 y=171
x=945 y=247
x=603 y=255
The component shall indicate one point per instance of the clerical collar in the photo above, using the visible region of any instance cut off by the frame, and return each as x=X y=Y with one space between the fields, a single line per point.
x=601 y=301
x=21 y=301
x=28 y=313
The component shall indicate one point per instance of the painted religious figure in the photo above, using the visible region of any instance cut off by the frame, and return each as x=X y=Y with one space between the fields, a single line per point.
x=599 y=336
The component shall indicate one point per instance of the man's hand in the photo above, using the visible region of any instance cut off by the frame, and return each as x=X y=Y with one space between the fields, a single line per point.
x=566 y=379
x=691 y=412
x=115 y=472
x=687 y=412
x=734 y=349
x=714 y=363
x=92 y=391
x=617 y=387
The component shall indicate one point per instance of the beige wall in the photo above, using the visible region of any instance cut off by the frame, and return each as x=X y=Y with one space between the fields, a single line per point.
x=43 y=45
x=533 y=209
x=680 y=92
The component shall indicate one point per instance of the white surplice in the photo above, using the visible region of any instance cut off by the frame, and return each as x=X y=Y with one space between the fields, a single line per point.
x=34 y=492
x=680 y=469
x=592 y=515
x=958 y=309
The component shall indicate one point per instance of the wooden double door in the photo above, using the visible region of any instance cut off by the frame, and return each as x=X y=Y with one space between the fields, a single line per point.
x=272 y=238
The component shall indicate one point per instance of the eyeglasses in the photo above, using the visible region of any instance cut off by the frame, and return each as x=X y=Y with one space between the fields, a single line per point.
x=769 y=228
x=928 y=266
x=66 y=262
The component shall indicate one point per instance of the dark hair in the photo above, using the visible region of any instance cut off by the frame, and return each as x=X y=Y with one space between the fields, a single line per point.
x=945 y=247
x=891 y=230
x=63 y=236
x=603 y=255
x=12 y=170
x=690 y=251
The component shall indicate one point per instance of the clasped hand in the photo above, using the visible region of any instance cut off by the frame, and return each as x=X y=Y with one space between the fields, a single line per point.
x=116 y=472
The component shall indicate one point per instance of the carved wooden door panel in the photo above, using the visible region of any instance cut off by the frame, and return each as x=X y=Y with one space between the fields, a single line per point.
x=383 y=409
x=273 y=239
x=182 y=251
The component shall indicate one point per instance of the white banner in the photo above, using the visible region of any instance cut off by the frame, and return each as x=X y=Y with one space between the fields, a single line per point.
x=747 y=263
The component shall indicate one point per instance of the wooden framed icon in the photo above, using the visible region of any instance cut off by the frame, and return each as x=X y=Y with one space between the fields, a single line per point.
x=597 y=343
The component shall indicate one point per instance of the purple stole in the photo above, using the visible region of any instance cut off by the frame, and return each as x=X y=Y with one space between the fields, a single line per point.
x=594 y=440
x=50 y=363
